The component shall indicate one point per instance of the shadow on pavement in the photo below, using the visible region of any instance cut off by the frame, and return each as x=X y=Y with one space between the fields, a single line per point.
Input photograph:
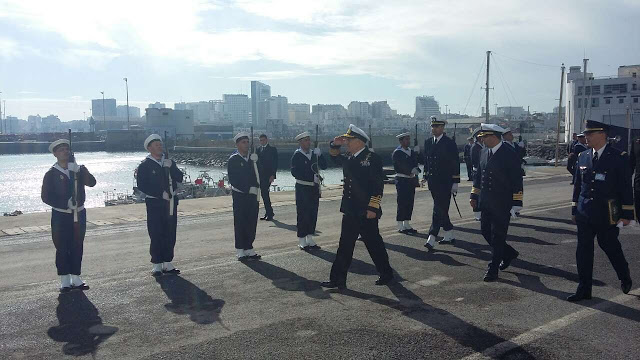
x=281 y=225
x=424 y=255
x=357 y=266
x=287 y=280
x=188 y=299
x=511 y=237
x=80 y=325
x=544 y=229
x=544 y=218
x=413 y=307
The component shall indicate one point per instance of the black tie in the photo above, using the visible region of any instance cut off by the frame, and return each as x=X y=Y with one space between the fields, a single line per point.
x=435 y=141
x=490 y=154
x=595 y=159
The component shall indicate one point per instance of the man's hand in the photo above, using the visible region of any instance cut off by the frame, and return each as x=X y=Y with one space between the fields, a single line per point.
x=165 y=195
x=317 y=151
x=167 y=163
x=70 y=204
x=416 y=149
x=473 y=203
x=73 y=167
x=625 y=222
x=271 y=178
x=371 y=214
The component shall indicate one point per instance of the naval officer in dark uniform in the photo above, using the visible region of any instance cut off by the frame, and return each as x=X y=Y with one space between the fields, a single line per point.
x=267 y=167
x=158 y=179
x=360 y=206
x=68 y=219
x=497 y=192
x=476 y=148
x=405 y=164
x=304 y=168
x=602 y=204
x=467 y=158
x=635 y=168
x=442 y=173
x=243 y=177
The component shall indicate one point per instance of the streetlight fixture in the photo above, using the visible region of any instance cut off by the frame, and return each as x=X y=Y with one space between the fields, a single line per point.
x=126 y=83
x=104 y=115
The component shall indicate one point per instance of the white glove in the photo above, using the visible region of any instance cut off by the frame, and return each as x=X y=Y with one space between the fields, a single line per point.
x=253 y=157
x=165 y=195
x=454 y=189
x=73 y=167
x=167 y=163
x=253 y=190
x=416 y=149
x=415 y=171
x=620 y=225
x=317 y=151
x=477 y=215
x=516 y=209
x=70 y=205
x=316 y=179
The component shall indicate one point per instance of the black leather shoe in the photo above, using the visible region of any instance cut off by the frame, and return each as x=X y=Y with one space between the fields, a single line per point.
x=80 y=287
x=269 y=218
x=580 y=294
x=333 y=285
x=255 y=257
x=171 y=272
x=491 y=276
x=264 y=217
x=314 y=247
x=443 y=241
x=156 y=273
x=625 y=285
x=428 y=246
x=506 y=262
x=384 y=280
x=411 y=231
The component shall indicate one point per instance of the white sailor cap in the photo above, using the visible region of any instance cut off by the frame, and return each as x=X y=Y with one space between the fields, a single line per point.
x=241 y=135
x=57 y=143
x=404 y=134
x=302 y=135
x=491 y=129
x=151 y=138
x=355 y=132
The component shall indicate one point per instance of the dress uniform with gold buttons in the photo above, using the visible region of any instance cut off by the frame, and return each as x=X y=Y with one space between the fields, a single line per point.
x=442 y=174
x=304 y=168
x=602 y=203
x=497 y=193
x=405 y=164
x=360 y=206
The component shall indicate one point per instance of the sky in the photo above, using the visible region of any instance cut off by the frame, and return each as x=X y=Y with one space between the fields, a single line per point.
x=55 y=56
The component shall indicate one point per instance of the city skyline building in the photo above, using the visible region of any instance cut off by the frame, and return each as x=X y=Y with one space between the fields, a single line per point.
x=299 y=114
x=359 y=109
x=121 y=111
x=259 y=93
x=426 y=106
x=235 y=108
x=110 y=108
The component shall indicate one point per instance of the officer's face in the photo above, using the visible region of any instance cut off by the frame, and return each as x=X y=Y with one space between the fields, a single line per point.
x=243 y=146
x=582 y=140
x=491 y=140
x=155 y=148
x=62 y=153
x=508 y=136
x=437 y=130
x=305 y=143
x=264 y=141
x=354 y=145
x=405 y=141
x=596 y=139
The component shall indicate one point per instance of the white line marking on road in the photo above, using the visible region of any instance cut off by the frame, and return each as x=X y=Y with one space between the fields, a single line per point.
x=532 y=335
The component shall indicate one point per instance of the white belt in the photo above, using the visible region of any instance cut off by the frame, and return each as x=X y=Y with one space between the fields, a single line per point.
x=242 y=192
x=236 y=189
x=67 y=211
x=307 y=183
x=405 y=176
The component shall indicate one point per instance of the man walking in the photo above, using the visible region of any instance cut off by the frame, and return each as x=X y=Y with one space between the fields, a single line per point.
x=360 y=206
x=304 y=168
x=405 y=164
x=267 y=166
x=442 y=174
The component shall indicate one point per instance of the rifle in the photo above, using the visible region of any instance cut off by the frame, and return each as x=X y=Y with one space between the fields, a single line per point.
x=74 y=182
x=167 y=172
x=370 y=139
x=255 y=165
x=415 y=143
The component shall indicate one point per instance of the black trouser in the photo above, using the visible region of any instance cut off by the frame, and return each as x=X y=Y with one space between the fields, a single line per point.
x=608 y=240
x=406 y=190
x=469 y=168
x=68 y=238
x=494 y=226
x=162 y=229
x=368 y=228
x=264 y=191
x=307 y=202
x=441 y=201
x=636 y=192
x=245 y=219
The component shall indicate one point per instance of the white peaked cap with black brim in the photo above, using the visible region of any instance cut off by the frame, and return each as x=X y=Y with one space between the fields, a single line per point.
x=151 y=138
x=491 y=129
x=355 y=132
x=57 y=143
x=303 y=135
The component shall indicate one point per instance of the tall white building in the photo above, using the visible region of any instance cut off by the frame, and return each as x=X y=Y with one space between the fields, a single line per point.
x=326 y=114
x=426 y=106
x=278 y=108
x=359 y=109
x=177 y=123
x=201 y=110
x=156 y=105
x=134 y=111
x=259 y=93
x=299 y=114
x=109 y=108
x=236 y=108
x=604 y=99
x=381 y=110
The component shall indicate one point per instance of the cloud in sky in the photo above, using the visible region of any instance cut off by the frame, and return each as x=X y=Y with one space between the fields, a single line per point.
x=431 y=46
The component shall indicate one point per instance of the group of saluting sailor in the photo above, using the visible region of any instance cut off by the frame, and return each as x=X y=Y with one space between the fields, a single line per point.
x=602 y=197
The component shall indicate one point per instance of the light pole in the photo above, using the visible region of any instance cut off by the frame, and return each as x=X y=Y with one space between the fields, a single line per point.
x=104 y=115
x=126 y=83
x=446 y=112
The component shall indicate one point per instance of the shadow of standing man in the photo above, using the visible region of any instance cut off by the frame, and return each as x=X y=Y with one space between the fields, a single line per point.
x=187 y=298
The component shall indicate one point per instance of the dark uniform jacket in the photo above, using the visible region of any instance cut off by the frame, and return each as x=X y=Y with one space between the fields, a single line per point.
x=267 y=161
x=610 y=179
x=241 y=173
x=635 y=163
x=152 y=178
x=441 y=162
x=363 y=182
x=304 y=169
x=467 y=152
x=497 y=185
x=578 y=148
x=402 y=162
x=475 y=154
x=57 y=187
